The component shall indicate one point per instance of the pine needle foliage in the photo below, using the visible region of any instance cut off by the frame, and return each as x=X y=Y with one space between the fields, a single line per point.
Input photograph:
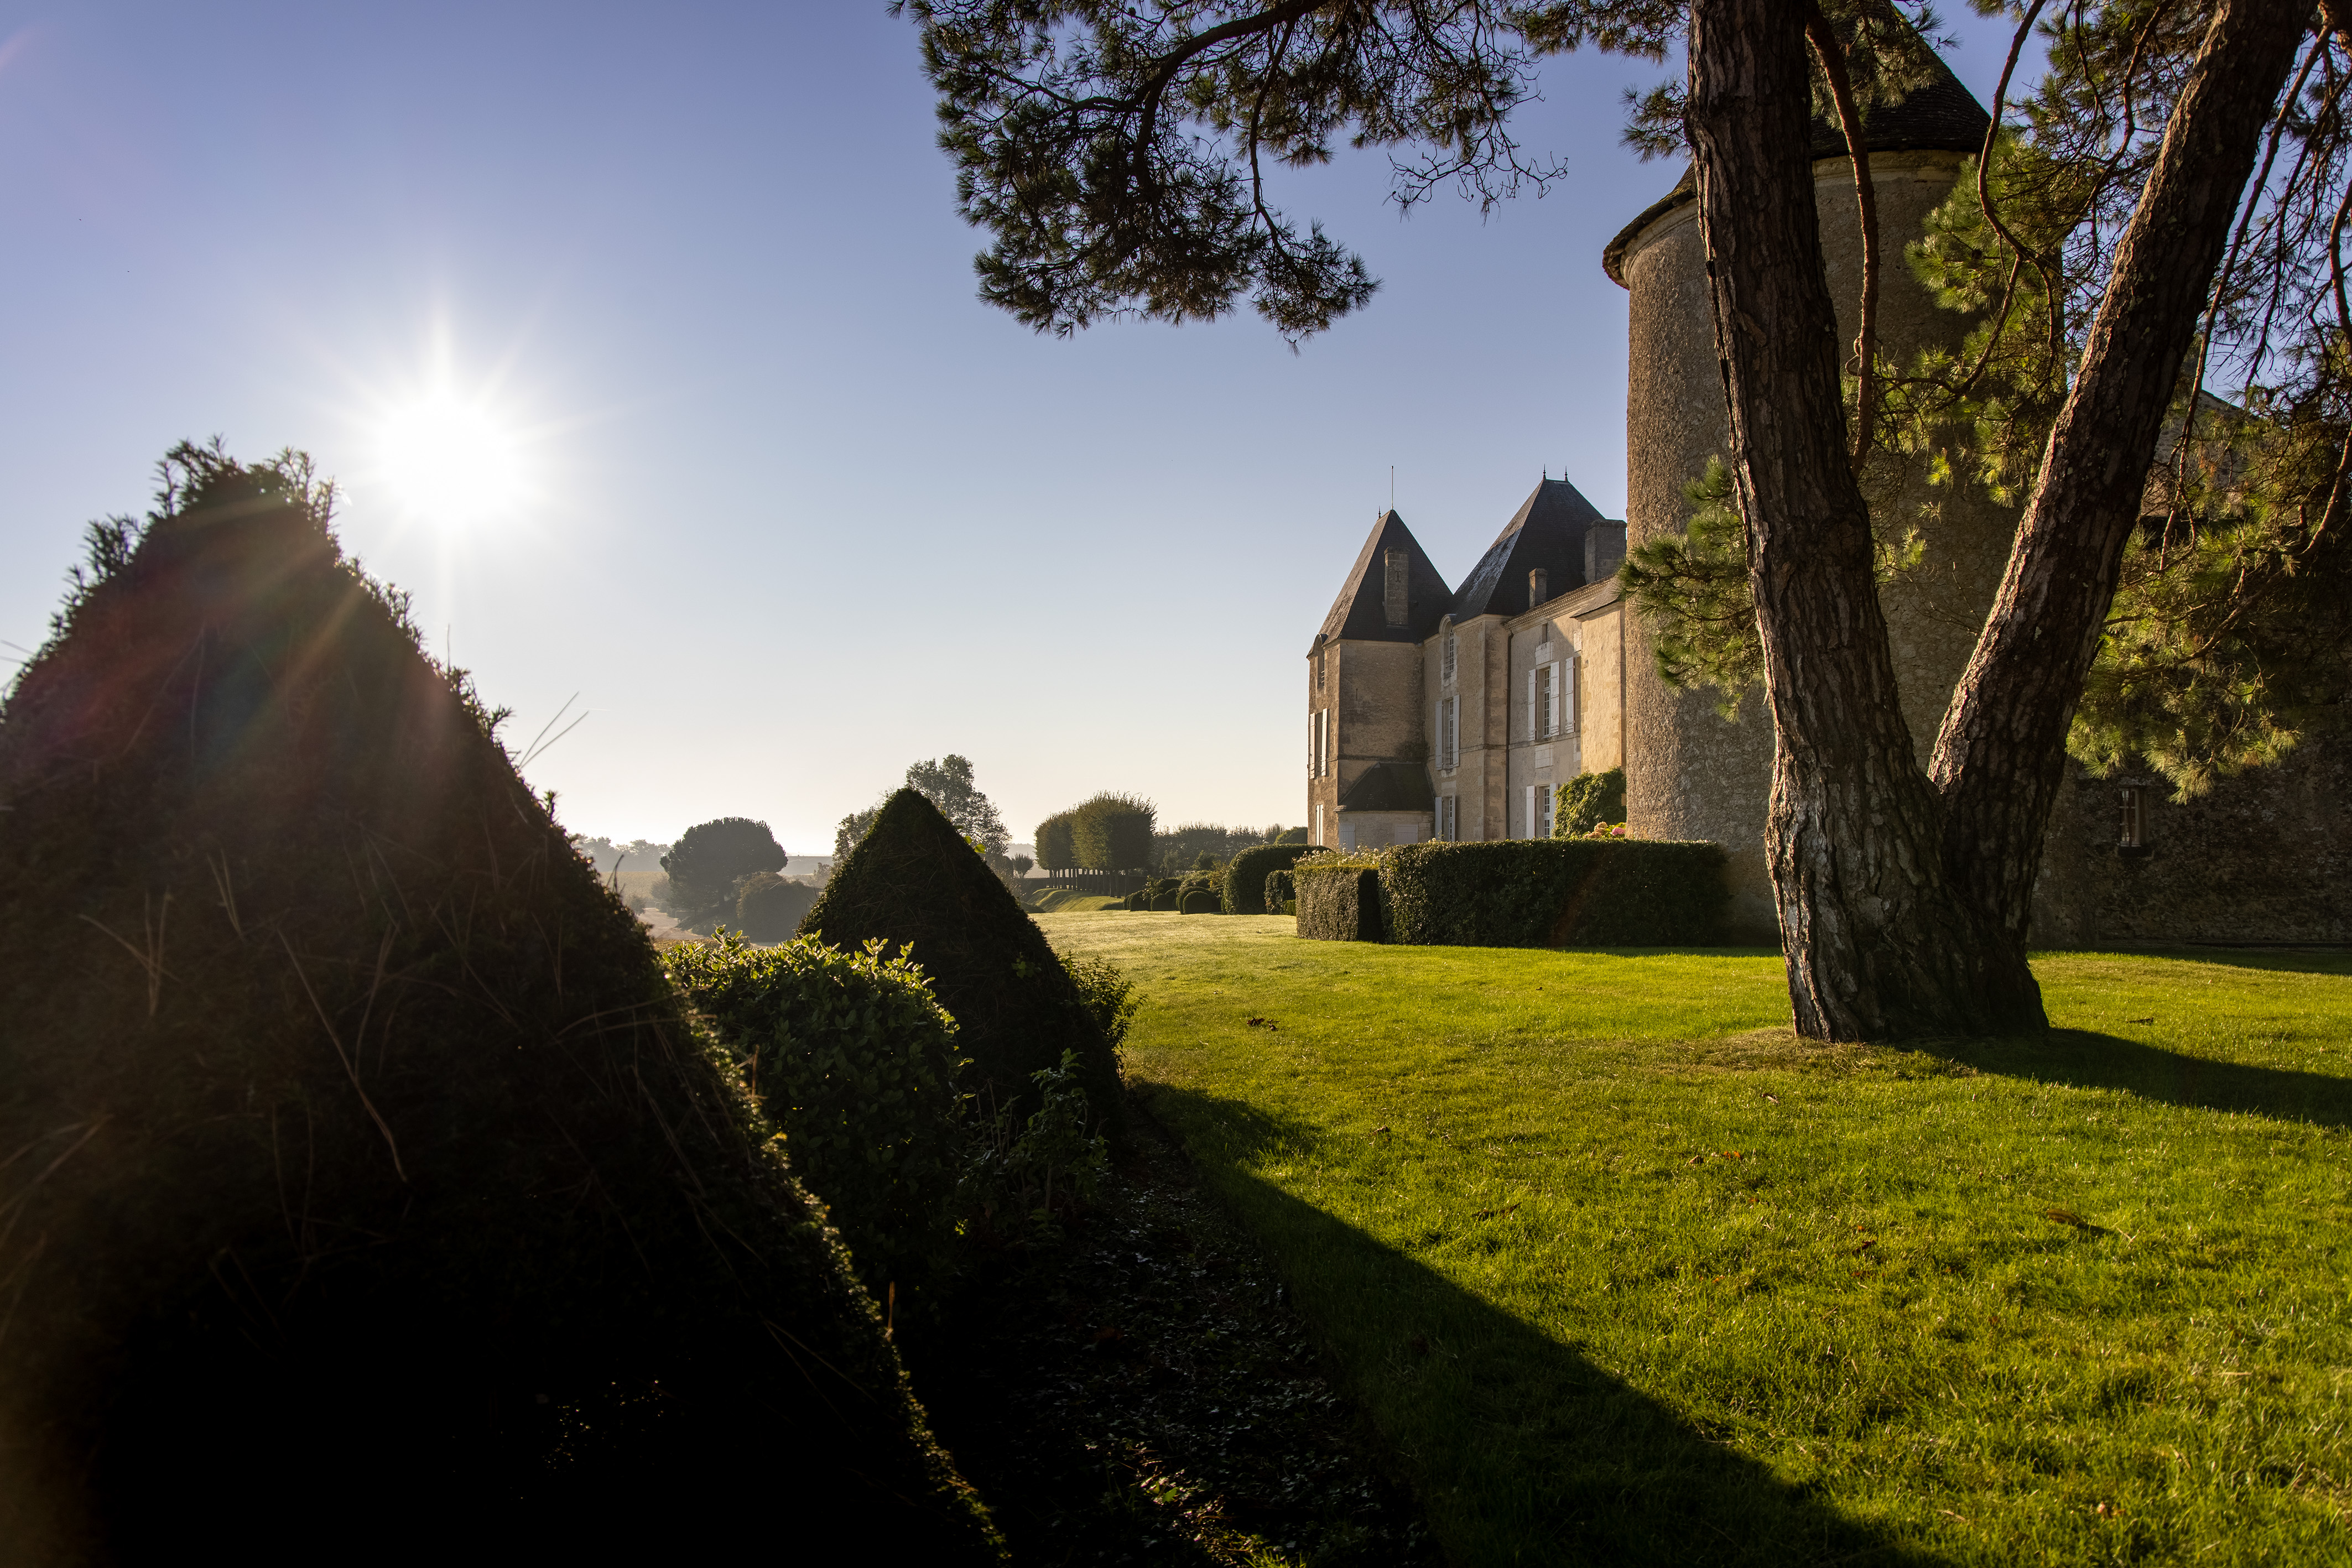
x=915 y=883
x=364 y=1179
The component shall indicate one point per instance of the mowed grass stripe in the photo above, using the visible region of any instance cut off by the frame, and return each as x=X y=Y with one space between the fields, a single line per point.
x=1627 y=1275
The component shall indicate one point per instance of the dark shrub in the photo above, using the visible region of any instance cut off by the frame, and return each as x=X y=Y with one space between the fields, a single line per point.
x=1056 y=851
x=1165 y=902
x=1338 y=903
x=1280 y=891
x=1244 y=881
x=384 y=1186
x=1140 y=899
x=710 y=861
x=913 y=879
x=1587 y=800
x=855 y=1061
x=1199 y=901
x=1559 y=893
x=770 y=909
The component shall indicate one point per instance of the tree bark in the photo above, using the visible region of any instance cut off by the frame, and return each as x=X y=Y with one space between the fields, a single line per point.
x=1878 y=942
x=2001 y=758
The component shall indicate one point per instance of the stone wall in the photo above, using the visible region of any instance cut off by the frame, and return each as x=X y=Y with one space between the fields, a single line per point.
x=2262 y=858
x=1690 y=774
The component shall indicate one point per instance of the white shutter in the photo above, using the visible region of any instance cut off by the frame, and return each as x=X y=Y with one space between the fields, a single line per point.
x=1568 y=691
x=1534 y=713
x=1530 y=817
x=1543 y=810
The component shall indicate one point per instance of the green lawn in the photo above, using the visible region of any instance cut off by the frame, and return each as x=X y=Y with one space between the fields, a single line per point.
x=1626 y=1274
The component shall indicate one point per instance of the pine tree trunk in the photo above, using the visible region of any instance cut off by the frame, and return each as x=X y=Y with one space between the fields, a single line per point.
x=2002 y=757
x=1878 y=942
x=1905 y=900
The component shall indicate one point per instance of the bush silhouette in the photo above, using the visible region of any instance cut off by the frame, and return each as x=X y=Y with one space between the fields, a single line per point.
x=770 y=909
x=913 y=879
x=372 y=1186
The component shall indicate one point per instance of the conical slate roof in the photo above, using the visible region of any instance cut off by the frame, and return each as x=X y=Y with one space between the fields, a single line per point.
x=1360 y=613
x=1547 y=531
x=1941 y=117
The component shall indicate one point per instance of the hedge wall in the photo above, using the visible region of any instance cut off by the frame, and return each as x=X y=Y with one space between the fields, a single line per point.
x=1198 y=901
x=1338 y=903
x=1244 y=891
x=1557 y=893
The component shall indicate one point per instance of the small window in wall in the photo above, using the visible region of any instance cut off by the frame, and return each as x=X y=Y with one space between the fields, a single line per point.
x=1445 y=657
x=1537 y=810
x=2132 y=832
x=1449 y=818
x=1320 y=656
x=1318 y=822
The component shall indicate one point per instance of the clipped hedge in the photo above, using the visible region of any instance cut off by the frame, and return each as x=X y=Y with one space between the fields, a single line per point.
x=1245 y=876
x=856 y=1061
x=1556 y=893
x=402 y=1218
x=1281 y=890
x=1199 y=901
x=913 y=879
x=1339 y=902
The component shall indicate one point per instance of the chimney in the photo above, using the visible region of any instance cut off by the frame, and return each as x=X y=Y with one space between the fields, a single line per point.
x=1536 y=594
x=1604 y=551
x=1394 y=588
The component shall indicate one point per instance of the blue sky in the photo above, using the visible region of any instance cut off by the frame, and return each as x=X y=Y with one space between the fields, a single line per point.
x=781 y=501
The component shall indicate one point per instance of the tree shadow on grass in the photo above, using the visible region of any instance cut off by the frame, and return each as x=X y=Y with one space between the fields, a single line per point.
x=2085 y=1059
x=1523 y=1451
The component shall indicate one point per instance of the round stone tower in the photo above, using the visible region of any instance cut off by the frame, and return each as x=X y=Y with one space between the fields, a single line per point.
x=1689 y=773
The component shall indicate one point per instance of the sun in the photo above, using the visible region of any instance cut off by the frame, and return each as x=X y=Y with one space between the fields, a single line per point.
x=449 y=461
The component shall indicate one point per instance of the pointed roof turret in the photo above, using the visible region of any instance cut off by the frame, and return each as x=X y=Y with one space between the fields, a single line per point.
x=1547 y=532
x=1378 y=605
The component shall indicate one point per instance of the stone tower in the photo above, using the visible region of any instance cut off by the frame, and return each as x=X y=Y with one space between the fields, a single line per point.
x=1690 y=774
x=1364 y=729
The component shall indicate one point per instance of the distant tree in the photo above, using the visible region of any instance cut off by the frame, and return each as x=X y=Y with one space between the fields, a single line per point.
x=1056 y=849
x=1021 y=864
x=712 y=861
x=1113 y=832
x=948 y=784
x=1295 y=836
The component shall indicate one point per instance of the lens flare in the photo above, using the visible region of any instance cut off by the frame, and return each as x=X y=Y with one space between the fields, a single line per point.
x=451 y=462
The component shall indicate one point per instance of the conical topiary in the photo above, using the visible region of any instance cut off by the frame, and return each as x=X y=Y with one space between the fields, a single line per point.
x=363 y=1190
x=913 y=879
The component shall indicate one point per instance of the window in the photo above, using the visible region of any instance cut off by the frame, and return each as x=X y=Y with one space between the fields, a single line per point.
x=1446 y=656
x=1568 y=691
x=1449 y=819
x=2133 y=833
x=1446 y=732
x=1318 y=743
x=1543 y=810
x=1321 y=654
x=1318 y=822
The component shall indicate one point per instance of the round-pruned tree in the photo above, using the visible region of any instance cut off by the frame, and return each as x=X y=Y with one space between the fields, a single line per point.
x=713 y=859
x=1056 y=851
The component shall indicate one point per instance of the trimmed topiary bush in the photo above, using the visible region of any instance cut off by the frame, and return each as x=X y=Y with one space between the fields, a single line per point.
x=1572 y=893
x=856 y=1062
x=1199 y=901
x=1586 y=802
x=770 y=909
x=1245 y=879
x=912 y=880
x=367 y=1176
x=1281 y=892
x=1338 y=901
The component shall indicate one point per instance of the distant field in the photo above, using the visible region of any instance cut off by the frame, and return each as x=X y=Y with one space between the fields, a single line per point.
x=1626 y=1274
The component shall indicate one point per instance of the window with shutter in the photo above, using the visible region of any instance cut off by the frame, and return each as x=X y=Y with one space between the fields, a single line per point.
x=1527 y=815
x=1535 y=713
x=1543 y=810
x=1568 y=671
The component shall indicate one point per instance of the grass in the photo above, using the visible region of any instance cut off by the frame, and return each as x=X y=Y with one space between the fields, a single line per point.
x=1624 y=1273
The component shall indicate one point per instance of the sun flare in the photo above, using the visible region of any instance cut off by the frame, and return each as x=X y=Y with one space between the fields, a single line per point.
x=451 y=462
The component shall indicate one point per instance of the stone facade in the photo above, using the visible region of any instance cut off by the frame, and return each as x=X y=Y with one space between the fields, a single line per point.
x=1456 y=714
